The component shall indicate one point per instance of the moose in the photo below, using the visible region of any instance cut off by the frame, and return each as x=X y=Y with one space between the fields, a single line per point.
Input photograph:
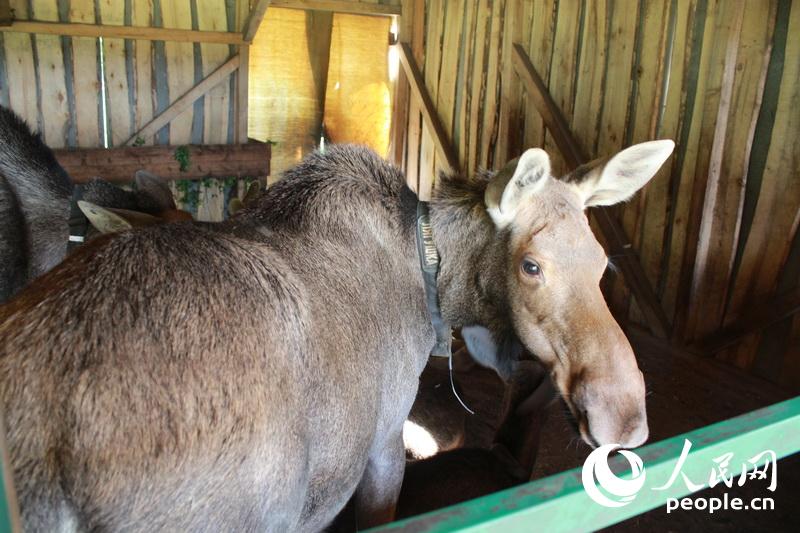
x=256 y=373
x=35 y=194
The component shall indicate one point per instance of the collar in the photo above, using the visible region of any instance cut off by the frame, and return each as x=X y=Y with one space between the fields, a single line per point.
x=78 y=224
x=429 y=264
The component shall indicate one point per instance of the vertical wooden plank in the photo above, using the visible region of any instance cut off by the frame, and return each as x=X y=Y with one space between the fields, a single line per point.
x=161 y=96
x=22 y=87
x=211 y=15
x=142 y=15
x=773 y=235
x=413 y=140
x=433 y=55
x=711 y=167
x=563 y=65
x=86 y=77
x=400 y=90
x=211 y=201
x=703 y=86
x=623 y=21
x=769 y=237
x=656 y=219
x=53 y=92
x=180 y=67
x=699 y=29
x=509 y=84
x=488 y=137
x=465 y=73
x=644 y=111
x=477 y=84
x=591 y=74
x=242 y=94
x=448 y=71
x=116 y=75
x=540 y=50
x=725 y=195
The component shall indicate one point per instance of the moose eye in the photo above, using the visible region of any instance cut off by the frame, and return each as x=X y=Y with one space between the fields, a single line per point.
x=531 y=268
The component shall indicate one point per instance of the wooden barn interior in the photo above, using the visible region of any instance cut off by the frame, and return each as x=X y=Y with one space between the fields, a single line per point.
x=705 y=280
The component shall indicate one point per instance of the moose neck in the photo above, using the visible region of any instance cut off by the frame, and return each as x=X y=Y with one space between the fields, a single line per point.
x=471 y=279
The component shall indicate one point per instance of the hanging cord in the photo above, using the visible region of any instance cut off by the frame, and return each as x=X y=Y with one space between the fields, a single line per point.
x=453 y=386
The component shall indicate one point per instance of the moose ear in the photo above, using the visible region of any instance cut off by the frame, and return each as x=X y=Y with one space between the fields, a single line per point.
x=108 y=220
x=518 y=181
x=500 y=357
x=153 y=192
x=102 y=219
x=613 y=180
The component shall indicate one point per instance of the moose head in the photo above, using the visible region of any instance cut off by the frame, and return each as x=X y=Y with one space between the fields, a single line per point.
x=538 y=284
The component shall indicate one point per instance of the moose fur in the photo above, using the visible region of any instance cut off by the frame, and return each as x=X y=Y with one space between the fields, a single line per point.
x=35 y=192
x=248 y=375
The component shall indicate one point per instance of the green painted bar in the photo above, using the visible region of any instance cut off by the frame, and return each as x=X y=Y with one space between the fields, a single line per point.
x=5 y=511
x=559 y=503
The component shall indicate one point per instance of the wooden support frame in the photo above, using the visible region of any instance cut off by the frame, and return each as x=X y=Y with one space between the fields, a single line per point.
x=613 y=232
x=356 y=8
x=118 y=165
x=254 y=20
x=124 y=32
x=182 y=103
x=429 y=116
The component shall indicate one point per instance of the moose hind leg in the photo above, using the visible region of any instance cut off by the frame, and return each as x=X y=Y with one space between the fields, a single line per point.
x=377 y=493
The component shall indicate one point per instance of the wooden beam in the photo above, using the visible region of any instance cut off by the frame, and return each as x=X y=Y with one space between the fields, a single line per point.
x=254 y=20
x=118 y=165
x=429 y=116
x=613 y=232
x=753 y=320
x=145 y=33
x=341 y=6
x=182 y=103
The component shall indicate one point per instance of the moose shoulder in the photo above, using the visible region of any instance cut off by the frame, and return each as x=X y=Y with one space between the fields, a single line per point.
x=256 y=373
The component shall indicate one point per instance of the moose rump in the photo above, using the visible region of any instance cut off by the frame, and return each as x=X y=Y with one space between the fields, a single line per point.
x=245 y=375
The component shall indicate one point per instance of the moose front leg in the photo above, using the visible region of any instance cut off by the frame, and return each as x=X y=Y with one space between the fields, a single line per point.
x=377 y=493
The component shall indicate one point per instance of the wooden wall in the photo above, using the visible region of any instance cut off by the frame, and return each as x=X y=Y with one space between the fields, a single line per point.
x=716 y=230
x=54 y=82
x=89 y=92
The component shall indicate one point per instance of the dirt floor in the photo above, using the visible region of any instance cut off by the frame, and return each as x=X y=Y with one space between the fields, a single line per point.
x=684 y=393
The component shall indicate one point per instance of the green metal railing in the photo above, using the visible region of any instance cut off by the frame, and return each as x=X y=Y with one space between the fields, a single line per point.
x=560 y=503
